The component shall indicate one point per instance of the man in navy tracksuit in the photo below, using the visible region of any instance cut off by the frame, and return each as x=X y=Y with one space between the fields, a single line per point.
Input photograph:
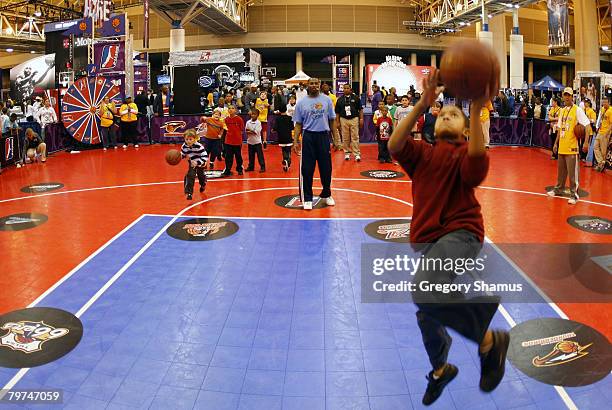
x=314 y=117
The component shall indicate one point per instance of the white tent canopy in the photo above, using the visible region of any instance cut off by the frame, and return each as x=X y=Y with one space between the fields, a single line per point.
x=300 y=77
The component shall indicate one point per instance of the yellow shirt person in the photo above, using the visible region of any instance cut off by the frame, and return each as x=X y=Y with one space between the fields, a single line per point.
x=128 y=111
x=568 y=118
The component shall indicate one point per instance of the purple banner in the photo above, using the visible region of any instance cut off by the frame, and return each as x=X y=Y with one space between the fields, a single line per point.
x=141 y=73
x=171 y=129
x=115 y=26
x=343 y=76
x=509 y=131
x=540 y=136
x=140 y=86
x=109 y=57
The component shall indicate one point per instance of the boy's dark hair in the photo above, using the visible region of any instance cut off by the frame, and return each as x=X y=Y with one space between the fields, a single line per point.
x=13 y=115
x=282 y=108
x=404 y=96
x=4 y=110
x=254 y=111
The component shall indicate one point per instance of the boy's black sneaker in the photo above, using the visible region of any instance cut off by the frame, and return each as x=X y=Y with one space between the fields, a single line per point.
x=189 y=197
x=435 y=387
x=249 y=169
x=262 y=170
x=493 y=363
x=285 y=165
x=211 y=165
x=227 y=173
x=202 y=188
x=240 y=172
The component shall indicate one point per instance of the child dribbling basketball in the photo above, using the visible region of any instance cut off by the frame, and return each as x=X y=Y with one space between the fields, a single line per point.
x=196 y=159
x=447 y=223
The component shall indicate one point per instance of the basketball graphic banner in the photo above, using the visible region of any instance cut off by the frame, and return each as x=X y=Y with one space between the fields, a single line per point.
x=109 y=57
x=558 y=27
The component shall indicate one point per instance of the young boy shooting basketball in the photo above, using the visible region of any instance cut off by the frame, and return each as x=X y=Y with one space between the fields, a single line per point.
x=448 y=223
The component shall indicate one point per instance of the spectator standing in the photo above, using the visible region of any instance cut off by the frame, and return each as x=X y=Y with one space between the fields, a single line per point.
x=349 y=120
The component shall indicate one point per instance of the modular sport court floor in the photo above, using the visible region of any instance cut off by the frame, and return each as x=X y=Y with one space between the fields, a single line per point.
x=239 y=299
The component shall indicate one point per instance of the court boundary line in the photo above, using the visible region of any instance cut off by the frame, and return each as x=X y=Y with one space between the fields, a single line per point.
x=285 y=179
x=22 y=372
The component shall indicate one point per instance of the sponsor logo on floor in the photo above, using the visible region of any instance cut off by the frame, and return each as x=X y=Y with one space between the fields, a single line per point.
x=382 y=174
x=560 y=352
x=591 y=224
x=36 y=336
x=202 y=229
x=42 y=187
x=294 y=202
x=390 y=230
x=20 y=222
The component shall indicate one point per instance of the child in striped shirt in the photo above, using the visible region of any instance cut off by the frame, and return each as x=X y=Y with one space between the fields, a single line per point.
x=197 y=159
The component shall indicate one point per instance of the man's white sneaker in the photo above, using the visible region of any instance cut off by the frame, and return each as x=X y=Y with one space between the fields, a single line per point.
x=572 y=201
x=357 y=158
x=330 y=201
x=124 y=146
x=308 y=205
x=347 y=157
x=551 y=193
x=135 y=145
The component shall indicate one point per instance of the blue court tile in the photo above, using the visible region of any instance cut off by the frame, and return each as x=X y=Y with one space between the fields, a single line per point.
x=148 y=370
x=373 y=321
x=268 y=359
x=117 y=406
x=306 y=360
x=381 y=359
x=38 y=374
x=307 y=321
x=511 y=394
x=159 y=349
x=242 y=319
x=67 y=378
x=233 y=357
x=272 y=339
x=588 y=401
x=377 y=339
x=540 y=391
x=407 y=337
x=308 y=384
x=216 y=302
x=386 y=383
x=468 y=377
x=78 y=402
x=341 y=322
x=345 y=339
x=397 y=402
x=347 y=403
x=307 y=339
x=344 y=360
x=414 y=357
x=346 y=384
x=554 y=403
x=115 y=364
x=211 y=400
x=345 y=307
x=277 y=305
x=275 y=321
x=211 y=317
x=472 y=398
x=445 y=402
x=194 y=353
x=309 y=304
x=253 y=402
x=100 y=386
x=302 y=403
x=224 y=380
x=264 y=382
x=204 y=334
x=416 y=381
x=135 y=393
x=175 y=398
x=237 y=337
x=460 y=352
x=189 y=376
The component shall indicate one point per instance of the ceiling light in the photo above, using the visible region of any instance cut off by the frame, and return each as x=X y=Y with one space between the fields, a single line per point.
x=516 y=6
x=32 y=52
x=9 y=30
x=469 y=24
x=37 y=13
x=237 y=18
x=605 y=48
x=459 y=7
x=490 y=16
x=9 y=50
x=461 y=23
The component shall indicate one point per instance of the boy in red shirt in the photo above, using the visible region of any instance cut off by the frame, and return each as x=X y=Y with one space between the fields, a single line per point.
x=233 y=141
x=384 y=128
x=447 y=222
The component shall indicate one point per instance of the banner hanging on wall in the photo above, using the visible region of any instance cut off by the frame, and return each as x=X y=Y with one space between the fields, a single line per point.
x=558 y=27
x=343 y=76
x=394 y=73
x=109 y=57
x=219 y=56
x=33 y=77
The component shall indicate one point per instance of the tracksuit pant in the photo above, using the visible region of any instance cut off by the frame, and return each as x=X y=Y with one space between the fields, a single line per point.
x=256 y=149
x=191 y=176
x=315 y=149
x=437 y=311
x=231 y=152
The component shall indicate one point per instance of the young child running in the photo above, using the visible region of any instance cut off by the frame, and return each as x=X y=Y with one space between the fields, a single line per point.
x=253 y=132
x=447 y=223
x=196 y=160
x=384 y=128
x=283 y=127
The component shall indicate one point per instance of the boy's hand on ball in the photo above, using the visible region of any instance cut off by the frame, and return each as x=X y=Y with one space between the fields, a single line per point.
x=193 y=163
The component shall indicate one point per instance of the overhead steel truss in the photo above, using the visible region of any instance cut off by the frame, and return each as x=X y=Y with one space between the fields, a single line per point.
x=216 y=16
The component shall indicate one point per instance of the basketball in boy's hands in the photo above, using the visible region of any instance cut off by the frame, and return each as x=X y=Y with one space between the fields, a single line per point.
x=579 y=132
x=173 y=157
x=469 y=69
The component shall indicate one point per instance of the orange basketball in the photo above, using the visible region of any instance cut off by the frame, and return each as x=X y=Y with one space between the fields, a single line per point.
x=579 y=131
x=173 y=157
x=469 y=69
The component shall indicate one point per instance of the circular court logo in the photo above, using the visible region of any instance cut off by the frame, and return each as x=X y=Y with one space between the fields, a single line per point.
x=42 y=187
x=19 y=222
x=213 y=174
x=566 y=192
x=202 y=229
x=382 y=174
x=560 y=352
x=36 y=336
x=390 y=230
x=294 y=202
x=591 y=224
